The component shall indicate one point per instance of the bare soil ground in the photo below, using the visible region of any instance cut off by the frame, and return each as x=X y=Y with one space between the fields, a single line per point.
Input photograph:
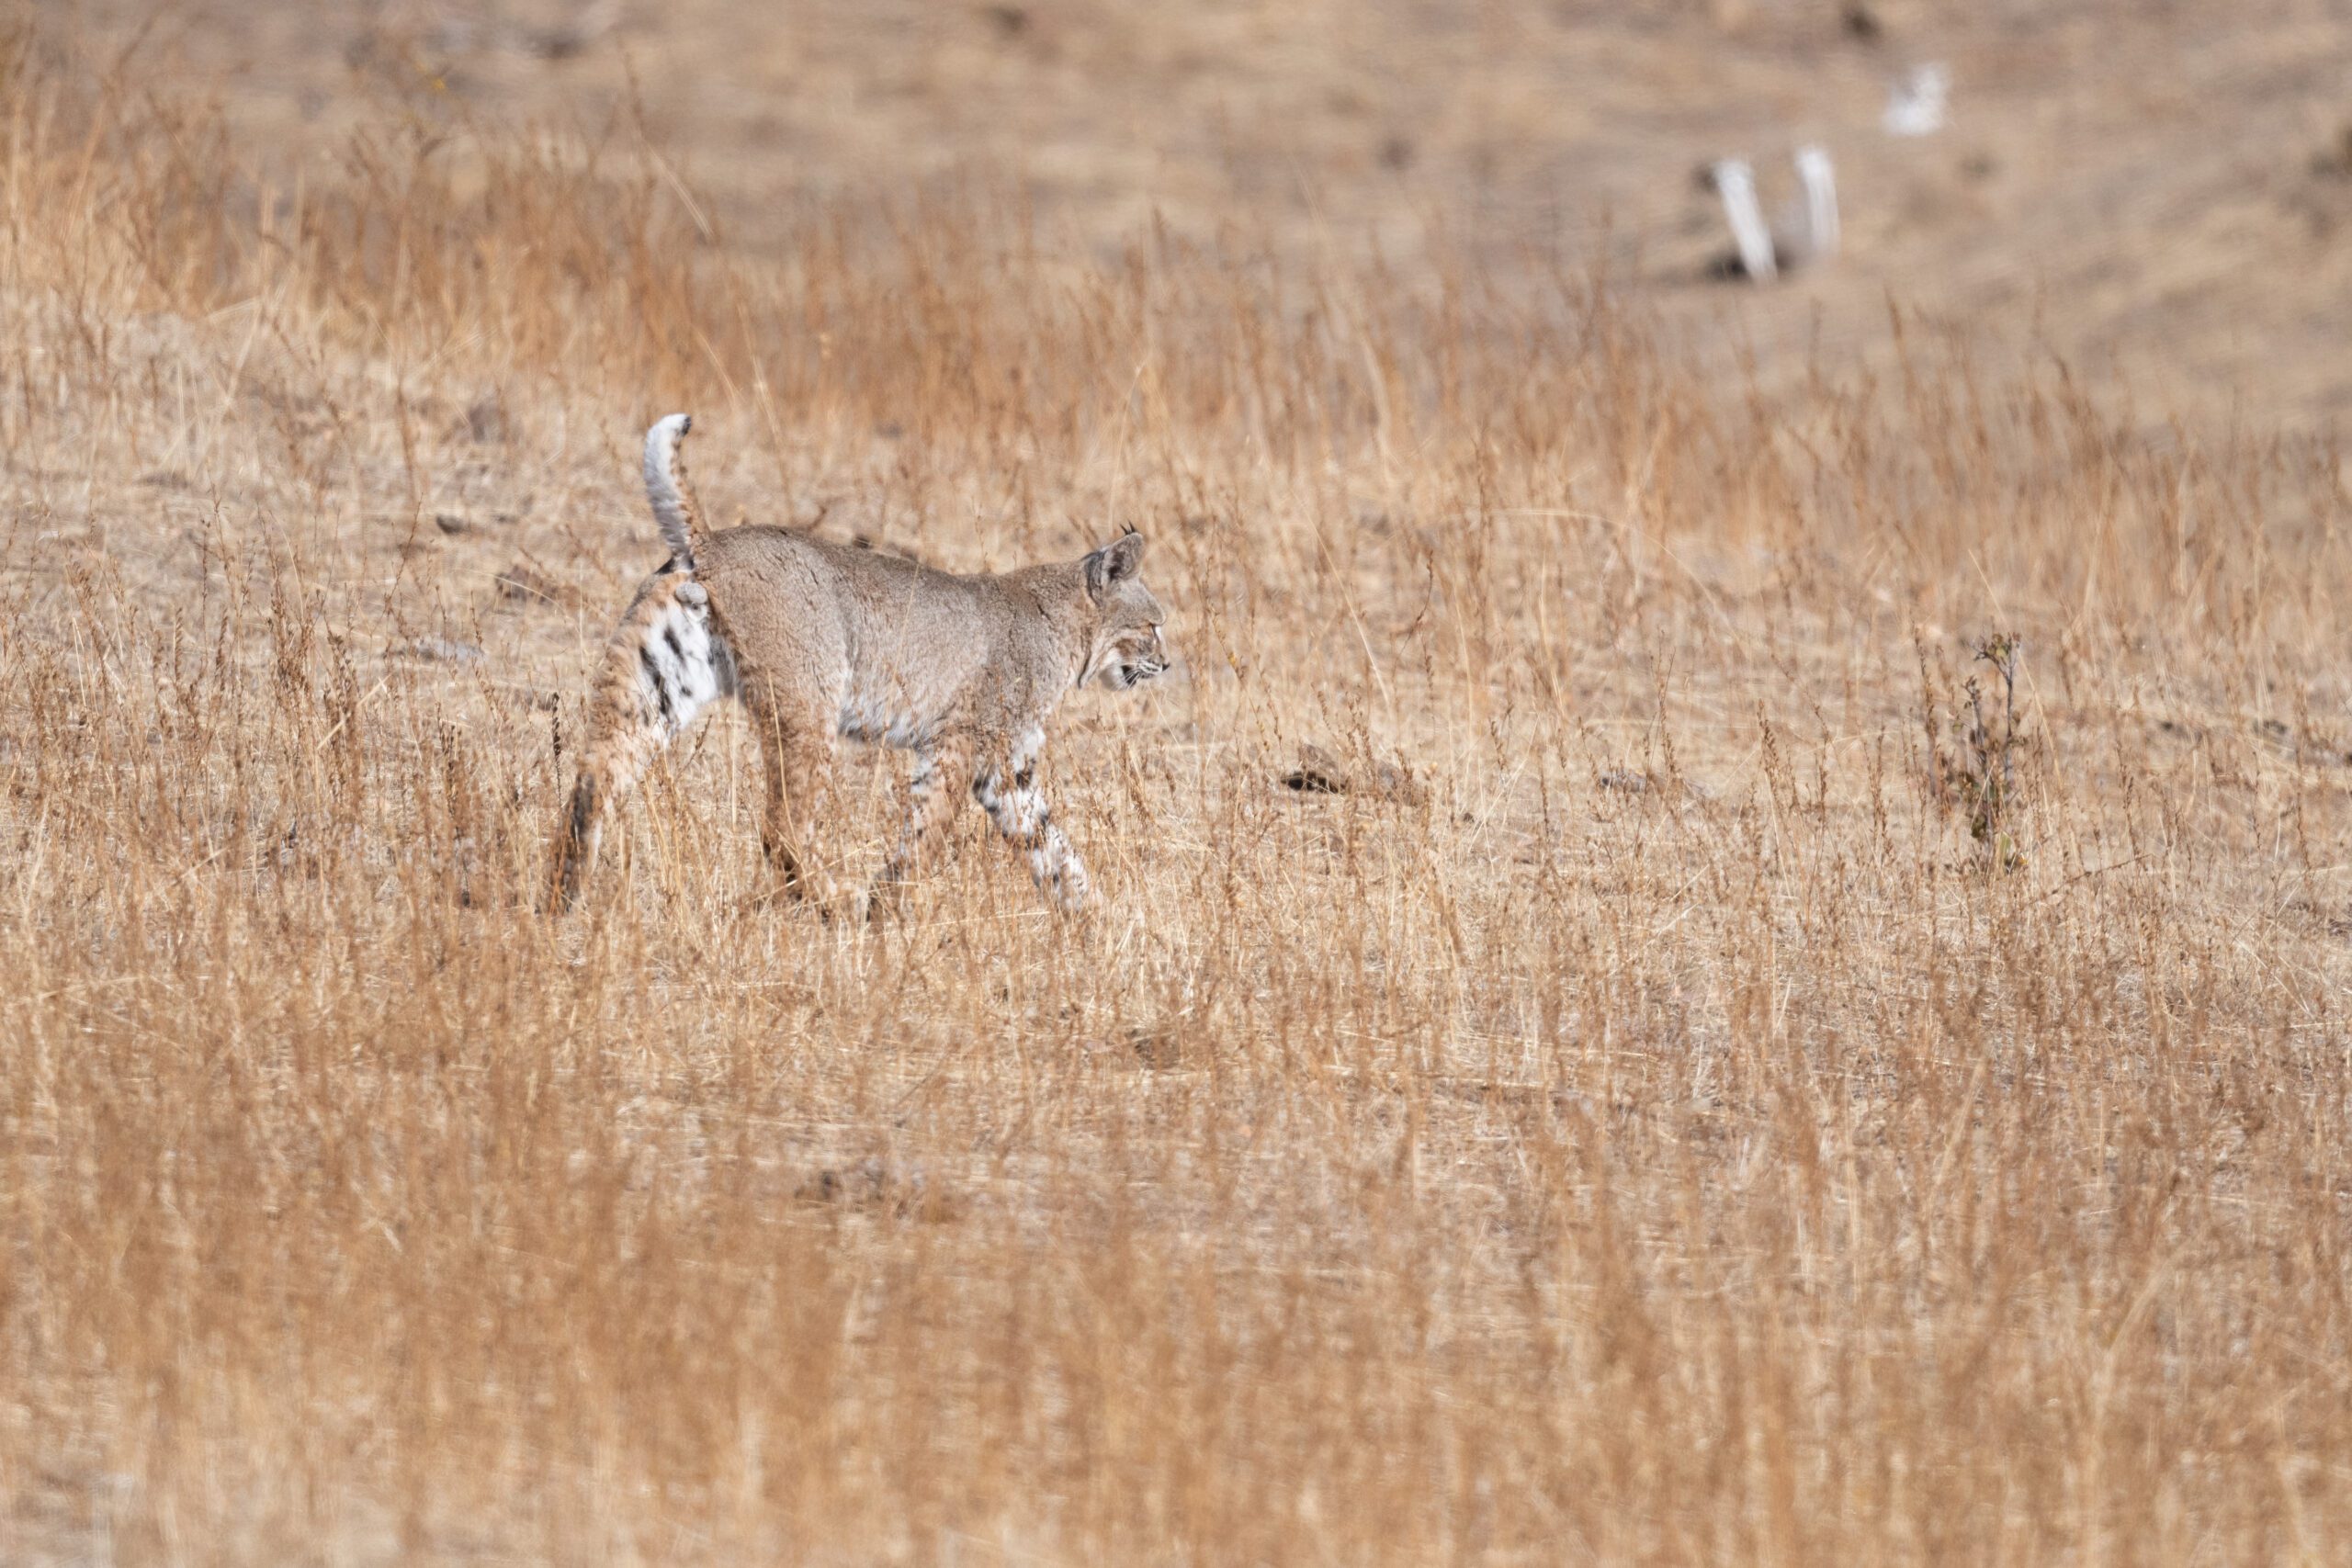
x=2157 y=193
x=1614 y=1031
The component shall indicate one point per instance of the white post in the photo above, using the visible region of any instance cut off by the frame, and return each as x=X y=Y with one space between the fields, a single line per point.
x=1820 y=185
x=1736 y=183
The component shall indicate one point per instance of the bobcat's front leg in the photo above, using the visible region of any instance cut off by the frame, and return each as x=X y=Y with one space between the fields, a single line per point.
x=1009 y=793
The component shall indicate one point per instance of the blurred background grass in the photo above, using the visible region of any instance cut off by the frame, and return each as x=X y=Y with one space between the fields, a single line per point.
x=2158 y=191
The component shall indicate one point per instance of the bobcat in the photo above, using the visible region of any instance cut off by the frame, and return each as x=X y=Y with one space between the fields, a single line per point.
x=821 y=640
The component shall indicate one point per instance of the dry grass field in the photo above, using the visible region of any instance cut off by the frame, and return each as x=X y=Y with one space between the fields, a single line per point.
x=1793 y=1020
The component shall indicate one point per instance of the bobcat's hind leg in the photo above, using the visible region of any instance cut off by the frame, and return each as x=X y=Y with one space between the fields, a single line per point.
x=664 y=665
x=941 y=775
x=797 y=753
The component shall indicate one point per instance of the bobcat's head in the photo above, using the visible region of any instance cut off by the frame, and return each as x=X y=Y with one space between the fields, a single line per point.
x=1126 y=649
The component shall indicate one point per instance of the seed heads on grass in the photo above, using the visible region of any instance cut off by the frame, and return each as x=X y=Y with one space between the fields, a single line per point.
x=1976 y=773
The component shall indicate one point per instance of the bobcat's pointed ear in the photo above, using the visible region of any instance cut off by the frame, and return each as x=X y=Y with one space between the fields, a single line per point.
x=1114 y=563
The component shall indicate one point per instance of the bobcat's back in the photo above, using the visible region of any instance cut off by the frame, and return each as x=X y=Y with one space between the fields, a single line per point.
x=893 y=648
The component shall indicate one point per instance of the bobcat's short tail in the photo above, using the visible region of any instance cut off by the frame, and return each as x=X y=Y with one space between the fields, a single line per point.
x=666 y=664
x=667 y=488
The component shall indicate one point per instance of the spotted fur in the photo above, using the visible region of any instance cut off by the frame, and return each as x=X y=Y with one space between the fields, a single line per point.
x=664 y=665
x=822 y=642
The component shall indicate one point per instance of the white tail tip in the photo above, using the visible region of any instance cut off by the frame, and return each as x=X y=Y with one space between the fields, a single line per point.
x=670 y=508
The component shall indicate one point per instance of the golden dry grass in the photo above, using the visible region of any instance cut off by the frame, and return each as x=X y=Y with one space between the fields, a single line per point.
x=1693 y=1125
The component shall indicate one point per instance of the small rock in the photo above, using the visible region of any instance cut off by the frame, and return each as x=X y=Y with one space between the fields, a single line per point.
x=486 y=419
x=1919 y=104
x=452 y=523
x=570 y=40
x=873 y=1184
x=1318 y=773
x=441 y=649
x=521 y=583
x=1167 y=1046
x=1394 y=781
